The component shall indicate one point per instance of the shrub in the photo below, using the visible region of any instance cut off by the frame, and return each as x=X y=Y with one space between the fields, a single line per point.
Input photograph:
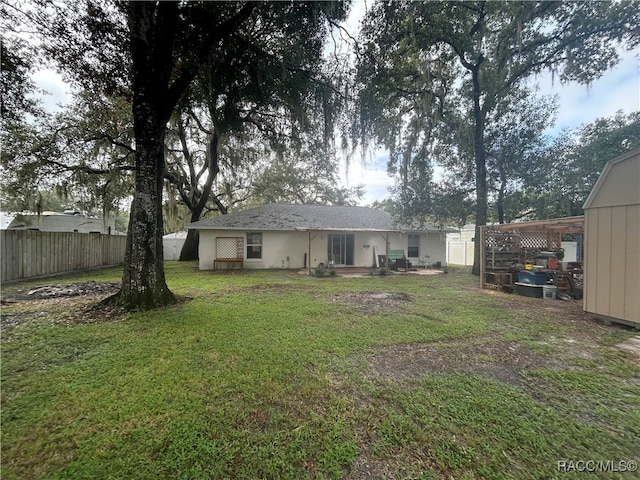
x=320 y=272
x=323 y=271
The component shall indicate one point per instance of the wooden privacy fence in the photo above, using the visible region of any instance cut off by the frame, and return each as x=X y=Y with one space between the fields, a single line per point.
x=29 y=253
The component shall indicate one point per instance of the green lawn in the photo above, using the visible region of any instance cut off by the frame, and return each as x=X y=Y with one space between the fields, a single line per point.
x=279 y=375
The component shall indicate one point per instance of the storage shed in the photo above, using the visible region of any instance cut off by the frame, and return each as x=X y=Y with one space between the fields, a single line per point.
x=172 y=245
x=612 y=246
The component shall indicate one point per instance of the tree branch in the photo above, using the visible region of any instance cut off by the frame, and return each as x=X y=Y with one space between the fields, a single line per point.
x=213 y=35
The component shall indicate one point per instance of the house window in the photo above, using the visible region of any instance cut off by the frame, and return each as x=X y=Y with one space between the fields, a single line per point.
x=254 y=245
x=413 y=247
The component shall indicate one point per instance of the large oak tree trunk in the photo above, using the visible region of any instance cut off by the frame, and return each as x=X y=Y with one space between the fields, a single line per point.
x=481 y=169
x=501 y=194
x=143 y=281
x=152 y=32
x=190 y=248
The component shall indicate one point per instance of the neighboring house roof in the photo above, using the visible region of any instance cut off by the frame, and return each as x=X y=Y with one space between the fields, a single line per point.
x=5 y=221
x=308 y=217
x=48 y=221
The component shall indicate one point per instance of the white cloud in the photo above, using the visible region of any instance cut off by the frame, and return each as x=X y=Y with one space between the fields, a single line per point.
x=372 y=174
x=617 y=89
x=56 y=91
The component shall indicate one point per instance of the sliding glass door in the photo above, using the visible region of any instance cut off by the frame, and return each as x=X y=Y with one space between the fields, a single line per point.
x=340 y=248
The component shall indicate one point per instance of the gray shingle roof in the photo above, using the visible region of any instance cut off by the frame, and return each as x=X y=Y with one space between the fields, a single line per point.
x=305 y=217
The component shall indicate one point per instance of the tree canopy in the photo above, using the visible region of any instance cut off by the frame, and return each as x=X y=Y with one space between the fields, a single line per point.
x=83 y=153
x=243 y=56
x=439 y=70
x=564 y=172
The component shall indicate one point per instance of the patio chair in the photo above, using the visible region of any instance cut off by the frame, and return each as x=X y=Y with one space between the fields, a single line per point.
x=394 y=256
x=402 y=263
x=425 y=262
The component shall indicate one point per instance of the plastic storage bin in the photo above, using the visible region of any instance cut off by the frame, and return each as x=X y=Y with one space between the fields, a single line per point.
x=549 y=292
x=532 y=278
x=529 y=290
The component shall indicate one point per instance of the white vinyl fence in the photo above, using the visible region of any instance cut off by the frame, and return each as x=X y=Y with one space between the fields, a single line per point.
x=460 y=253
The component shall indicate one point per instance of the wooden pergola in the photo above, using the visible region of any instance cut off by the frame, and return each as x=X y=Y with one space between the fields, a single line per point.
x=508 y=243
x=556 y=225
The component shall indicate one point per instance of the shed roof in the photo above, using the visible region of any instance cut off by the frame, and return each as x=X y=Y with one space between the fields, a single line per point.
x=276 y=216
x=618 y=184
x=175 y=236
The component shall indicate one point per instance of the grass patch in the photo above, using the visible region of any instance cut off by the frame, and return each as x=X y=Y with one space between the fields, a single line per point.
x=272 y=375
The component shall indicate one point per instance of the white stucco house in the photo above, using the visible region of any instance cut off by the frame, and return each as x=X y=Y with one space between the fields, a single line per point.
x=304 y=236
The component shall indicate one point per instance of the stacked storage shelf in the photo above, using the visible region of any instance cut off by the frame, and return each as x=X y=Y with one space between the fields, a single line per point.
x=502 y=253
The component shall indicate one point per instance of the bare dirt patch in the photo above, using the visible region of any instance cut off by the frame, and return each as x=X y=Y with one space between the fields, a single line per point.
x=502 y=361
x=280 y=288
x=374 y=302
x=569 y=311
x=573 y=336
x=58 y=290
x=63 y=304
